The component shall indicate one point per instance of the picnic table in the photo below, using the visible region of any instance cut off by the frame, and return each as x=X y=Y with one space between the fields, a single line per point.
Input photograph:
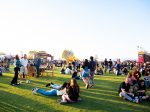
x=46 y=71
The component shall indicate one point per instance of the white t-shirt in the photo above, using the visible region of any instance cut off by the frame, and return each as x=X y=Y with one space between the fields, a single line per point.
x=61 y=92
x=24 y=62
x=67 y=71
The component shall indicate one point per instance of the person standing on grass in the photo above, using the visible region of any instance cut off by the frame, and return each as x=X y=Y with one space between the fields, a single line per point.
x=110 y=63
x=118 y=67
x=16 y=69
x=23 y=69
x=37 y=63
x=1 y=71
x=85 y=73
x=105 y=65
x=92 y=67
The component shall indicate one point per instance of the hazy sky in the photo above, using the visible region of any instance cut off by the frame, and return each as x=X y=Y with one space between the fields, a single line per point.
x=107 y=28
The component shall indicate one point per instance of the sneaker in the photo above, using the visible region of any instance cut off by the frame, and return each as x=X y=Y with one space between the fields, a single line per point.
x=13 y=84
x=34 y=90
x=79 y=99
x=21 y=82
x=18 y=84
x=60 y=101
x=47 y=85
x=136 y=100
x=27 y=81
x=52 y=83
x=92 y=86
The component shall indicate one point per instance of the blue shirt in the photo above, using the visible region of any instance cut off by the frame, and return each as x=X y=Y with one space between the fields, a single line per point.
x=18 y=63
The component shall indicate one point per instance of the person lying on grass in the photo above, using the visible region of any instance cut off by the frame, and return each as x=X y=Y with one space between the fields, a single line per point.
x=57 y=90
x=72 y=93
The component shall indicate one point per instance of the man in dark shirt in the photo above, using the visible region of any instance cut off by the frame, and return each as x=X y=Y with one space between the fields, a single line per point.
x=105 y=65
x=92 y=67
x=37 y=63
x=125 y=93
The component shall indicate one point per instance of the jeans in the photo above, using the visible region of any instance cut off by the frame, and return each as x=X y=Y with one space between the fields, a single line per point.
x=14 y=81
x=92 y=77
x=147 y=83
x=55 y=86
x=125 y=95
x=118 y=72
x=52 y=92
x=38 y=71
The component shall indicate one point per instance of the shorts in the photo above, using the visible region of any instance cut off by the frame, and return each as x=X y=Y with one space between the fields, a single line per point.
x=23 y=70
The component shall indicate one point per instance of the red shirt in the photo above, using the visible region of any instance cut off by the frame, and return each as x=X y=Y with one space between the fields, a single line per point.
x=136 y=75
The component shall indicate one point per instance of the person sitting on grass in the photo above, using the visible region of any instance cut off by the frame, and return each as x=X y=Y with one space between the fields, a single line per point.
x=136 y=75
x=142 y=91
x=99 y=71
x=135 y=92
x=75 y=75
x=125 y=93
x=57 y=86
x=147 y=78
x=57 y=90
x=68 y=70
x=62 y=70
x=125 y=71
x=72 y=93
x=129 y=78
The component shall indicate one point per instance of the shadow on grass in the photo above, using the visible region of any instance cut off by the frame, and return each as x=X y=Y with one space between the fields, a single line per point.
x=103 y=97
x=94 y=102
x=16 y=103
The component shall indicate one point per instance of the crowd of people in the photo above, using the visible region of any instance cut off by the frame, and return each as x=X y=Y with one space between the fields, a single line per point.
x=84 y=71
x=133 y=88
x=70 y=90
x=4 y=65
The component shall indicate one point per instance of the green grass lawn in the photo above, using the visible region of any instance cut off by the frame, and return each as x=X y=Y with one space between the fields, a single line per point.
x=102 y=98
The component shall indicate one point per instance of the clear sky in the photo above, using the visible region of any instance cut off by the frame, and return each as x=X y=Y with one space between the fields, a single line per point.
x=107 y=28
